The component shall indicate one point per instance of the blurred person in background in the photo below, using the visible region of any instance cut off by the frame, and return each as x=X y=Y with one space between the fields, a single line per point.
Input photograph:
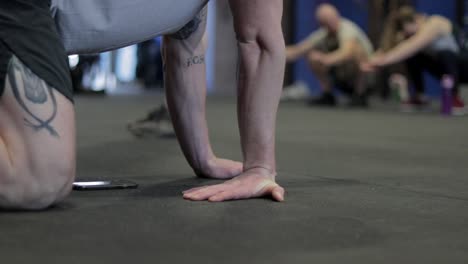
x=149 y=64
x=393 y=79
x=334 y=53
x=425 y=43
x=78 y=72
x=157 y=122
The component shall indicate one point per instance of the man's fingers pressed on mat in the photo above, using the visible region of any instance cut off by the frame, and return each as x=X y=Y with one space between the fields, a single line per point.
x=193 y=190
x=204 y=193
x=278 y=194
x=224 y=196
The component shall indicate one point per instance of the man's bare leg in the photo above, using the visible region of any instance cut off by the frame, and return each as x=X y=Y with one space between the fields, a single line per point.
x=185 y=80
x=320 y=72
x=37 y=142
x=361 y=85
x=262 y=61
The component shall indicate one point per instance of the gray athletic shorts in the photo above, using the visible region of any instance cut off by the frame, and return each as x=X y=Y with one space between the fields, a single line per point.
x=92 y=26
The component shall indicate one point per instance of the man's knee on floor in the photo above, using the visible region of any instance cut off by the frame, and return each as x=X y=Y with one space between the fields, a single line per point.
x=36 y=188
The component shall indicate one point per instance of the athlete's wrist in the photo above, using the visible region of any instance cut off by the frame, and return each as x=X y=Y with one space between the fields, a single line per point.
x=262 y=169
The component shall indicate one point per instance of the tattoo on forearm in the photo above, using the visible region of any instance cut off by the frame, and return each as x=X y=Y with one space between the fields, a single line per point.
x=28 y=86
x=191 y=27
x=195 y=60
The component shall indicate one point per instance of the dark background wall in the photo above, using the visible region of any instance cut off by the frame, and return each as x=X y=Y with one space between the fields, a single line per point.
x=358 y=11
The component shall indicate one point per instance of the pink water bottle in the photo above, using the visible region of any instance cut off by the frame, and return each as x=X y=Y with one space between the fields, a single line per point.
x=447 y=95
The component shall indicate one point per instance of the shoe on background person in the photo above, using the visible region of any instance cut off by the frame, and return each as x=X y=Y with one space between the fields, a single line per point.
x=157 y=123
x=414 y=104
x=359 y=101
x=324 y=100
x=458 y=105
x=295 y=92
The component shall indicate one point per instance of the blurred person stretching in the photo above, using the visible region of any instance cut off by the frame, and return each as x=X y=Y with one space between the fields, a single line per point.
x=427 y=43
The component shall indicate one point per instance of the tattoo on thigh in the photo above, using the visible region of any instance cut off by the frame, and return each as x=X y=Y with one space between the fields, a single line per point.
x=191 y=27
x=195 y=60
x=28 y=87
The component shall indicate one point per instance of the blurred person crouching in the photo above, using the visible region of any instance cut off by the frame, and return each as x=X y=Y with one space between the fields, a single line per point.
x=334 y=53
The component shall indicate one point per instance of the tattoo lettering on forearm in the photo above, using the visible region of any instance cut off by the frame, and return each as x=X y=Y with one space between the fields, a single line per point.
x=26 y=85
x=195 y=60
x=191 y=27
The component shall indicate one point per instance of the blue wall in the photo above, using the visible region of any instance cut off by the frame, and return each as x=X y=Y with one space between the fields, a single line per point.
x=356 y=10
x=305 y=24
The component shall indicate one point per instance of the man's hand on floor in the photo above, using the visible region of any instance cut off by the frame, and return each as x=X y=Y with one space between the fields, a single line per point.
x=252 y=183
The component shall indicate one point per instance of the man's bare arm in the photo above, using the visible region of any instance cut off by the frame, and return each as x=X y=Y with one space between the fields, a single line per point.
x=261 y=73
x=348 y=50
x=294 y=52
x=429 y=32
x=434 y=28
x=185 y=80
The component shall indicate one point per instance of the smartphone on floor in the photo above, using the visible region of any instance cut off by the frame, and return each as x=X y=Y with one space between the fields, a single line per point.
x=103 y=185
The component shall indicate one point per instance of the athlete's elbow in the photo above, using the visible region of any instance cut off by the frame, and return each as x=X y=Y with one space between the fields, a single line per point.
x=269 y=43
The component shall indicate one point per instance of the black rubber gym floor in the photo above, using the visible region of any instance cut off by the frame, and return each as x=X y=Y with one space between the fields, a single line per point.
x=363 y=187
